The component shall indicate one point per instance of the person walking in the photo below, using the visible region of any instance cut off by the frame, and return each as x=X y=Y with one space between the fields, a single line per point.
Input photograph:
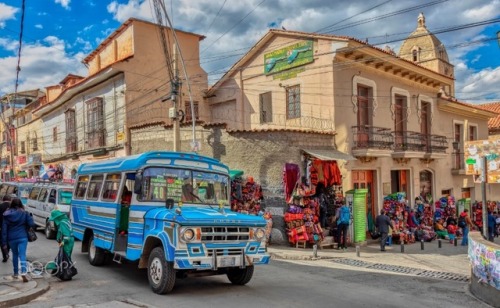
x=16 y=221
x=3 y=207
x=383 y=223
x=465 y=223
x=491 y=226
x=64 y=231
x=344 y=219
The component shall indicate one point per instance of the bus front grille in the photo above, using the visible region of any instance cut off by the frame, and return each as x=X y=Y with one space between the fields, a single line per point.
x=225 y=234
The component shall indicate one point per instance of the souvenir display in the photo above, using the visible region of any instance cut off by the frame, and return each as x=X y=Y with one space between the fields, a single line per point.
x=246 y=196
x=303 y=214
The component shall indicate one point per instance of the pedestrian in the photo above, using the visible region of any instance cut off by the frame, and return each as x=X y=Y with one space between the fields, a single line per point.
x=344 y=219
x=491 y=226
x=64 y=236
x=383 y=223
x=16 y=222
x=323 y=205
x=3 y=207
x=465 y=223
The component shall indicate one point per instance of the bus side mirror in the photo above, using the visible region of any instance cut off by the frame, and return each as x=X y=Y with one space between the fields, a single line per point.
x=169 y=203
x=138 y=184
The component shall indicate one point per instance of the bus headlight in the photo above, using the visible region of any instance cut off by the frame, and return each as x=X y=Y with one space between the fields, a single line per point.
x=259 y=234
x=187 y=235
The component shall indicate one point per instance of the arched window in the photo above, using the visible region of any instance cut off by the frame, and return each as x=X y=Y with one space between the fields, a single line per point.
x=415 y=55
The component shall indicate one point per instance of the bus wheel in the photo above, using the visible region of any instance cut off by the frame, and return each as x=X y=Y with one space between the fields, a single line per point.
x=96 y=254
x=240 y=276
x=49 y=233
x=161 y=274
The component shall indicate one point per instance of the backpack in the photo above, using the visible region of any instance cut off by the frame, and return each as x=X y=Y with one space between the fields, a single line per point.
x=345 y=215
x=461 y=222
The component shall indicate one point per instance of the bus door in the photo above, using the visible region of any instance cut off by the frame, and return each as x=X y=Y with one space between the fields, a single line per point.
x=123 y=213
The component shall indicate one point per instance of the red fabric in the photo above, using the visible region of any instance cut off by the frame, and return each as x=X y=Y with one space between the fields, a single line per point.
x=331 y=173
x=291 y=173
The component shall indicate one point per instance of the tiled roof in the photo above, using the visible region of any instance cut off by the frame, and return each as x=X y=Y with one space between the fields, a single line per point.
x=493 y=123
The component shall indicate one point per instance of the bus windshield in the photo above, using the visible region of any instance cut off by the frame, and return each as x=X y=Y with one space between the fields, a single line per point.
x=65 y=196
x=188 y=186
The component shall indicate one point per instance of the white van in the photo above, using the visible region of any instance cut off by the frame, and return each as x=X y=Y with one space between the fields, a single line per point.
x=45 y=197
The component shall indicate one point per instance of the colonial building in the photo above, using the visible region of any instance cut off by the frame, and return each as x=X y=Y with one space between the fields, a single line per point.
x=120 y=107
x=14 y=114
x=297 y=94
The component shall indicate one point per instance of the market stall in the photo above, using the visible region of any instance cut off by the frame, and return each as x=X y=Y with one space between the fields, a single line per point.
x=311 y=199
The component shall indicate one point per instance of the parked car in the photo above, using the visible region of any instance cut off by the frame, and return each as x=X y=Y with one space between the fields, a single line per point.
x=46 y=196
x=20 y=189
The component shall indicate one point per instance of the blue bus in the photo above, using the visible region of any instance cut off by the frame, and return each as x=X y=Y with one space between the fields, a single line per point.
x=170 y=212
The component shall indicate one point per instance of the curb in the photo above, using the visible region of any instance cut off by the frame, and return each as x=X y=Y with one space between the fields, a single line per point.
x=280 y=256
x=42 y=286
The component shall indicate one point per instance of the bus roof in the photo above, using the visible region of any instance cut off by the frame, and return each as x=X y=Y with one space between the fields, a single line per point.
x=166 y=158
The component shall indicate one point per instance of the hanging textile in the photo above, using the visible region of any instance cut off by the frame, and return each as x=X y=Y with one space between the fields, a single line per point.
x=291 y=174
x=331 y=173
x=318 y=166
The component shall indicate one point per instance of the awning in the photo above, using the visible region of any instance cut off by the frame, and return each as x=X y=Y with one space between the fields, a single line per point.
x=235 y=174
x=330 y=154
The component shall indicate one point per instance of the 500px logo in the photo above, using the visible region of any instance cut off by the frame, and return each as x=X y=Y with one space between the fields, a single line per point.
x=38 y=269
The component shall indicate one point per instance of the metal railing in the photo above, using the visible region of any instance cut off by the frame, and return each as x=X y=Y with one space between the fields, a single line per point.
x=366 y=136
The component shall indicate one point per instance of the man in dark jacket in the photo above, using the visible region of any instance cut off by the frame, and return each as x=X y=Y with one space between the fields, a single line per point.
x=3 y=207
x=383 y=223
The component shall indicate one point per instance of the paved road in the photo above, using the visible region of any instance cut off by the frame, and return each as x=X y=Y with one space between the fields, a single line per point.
x=320 y=283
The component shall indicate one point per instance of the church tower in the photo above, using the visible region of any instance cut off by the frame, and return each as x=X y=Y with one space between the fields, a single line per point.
x=423 y=48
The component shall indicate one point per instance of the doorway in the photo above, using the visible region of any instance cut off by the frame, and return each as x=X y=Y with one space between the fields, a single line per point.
x=426 y=188
x=399 y=181
x=364 y=179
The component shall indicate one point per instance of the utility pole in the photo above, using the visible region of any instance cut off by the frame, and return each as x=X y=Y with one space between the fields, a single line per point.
x=483 y=197
x=174 y=115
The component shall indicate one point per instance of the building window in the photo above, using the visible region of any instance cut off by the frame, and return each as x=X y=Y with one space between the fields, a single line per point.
x=54 y=134
x=472 y=133
x=458 y=153
x=400 y=120
x=415 y=55
x=34 y=144
x=70 y=131
x=95 y=123
x=266 y=109
x=23 y=147
x=189 y=116
x=293 y=102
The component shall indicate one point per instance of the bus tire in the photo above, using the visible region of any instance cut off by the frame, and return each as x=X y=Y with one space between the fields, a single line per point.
x=96 y=254
x=161 y=274
x=49 y=233
x=240 y=276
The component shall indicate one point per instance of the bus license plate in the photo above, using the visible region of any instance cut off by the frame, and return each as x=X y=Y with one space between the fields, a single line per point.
x=227 y=262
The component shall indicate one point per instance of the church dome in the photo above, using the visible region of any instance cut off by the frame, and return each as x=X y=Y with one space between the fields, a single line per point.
x=422 y=46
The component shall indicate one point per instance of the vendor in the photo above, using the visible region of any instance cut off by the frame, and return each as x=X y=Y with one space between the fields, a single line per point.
x=440 y=229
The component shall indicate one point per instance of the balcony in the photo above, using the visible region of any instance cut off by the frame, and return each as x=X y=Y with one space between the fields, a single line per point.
x=371 y=141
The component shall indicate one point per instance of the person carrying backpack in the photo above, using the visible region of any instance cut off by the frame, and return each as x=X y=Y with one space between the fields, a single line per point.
x=343 y=221
x=465 y=223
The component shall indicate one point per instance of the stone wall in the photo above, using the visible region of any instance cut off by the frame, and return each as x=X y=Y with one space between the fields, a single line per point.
x=259 y=154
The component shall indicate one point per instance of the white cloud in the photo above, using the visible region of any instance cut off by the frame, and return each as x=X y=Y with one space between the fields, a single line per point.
x=42 y=64
x=134 y=8
x=64 y=3
x=6 y=13
x=38 y=26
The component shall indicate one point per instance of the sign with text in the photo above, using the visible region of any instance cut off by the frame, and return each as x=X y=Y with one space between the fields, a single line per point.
x=475 y=151
x=291 y=56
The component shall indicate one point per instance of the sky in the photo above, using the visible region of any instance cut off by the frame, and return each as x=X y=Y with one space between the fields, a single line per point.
x=58 y=34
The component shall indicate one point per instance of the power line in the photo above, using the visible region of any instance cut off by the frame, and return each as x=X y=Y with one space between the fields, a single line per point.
x=237 y=23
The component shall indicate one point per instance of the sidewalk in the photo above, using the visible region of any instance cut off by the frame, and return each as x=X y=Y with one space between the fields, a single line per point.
x=17 y=292
x=448 y=258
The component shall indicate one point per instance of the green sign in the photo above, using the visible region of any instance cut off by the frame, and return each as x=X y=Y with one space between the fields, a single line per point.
x=291 y=56
x=288 y=74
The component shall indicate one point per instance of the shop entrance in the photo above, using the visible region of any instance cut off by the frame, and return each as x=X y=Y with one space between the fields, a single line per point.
x=399 y=181
x=364 y=179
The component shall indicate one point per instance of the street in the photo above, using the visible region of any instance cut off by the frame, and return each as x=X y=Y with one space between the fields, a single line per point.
x=321 y=283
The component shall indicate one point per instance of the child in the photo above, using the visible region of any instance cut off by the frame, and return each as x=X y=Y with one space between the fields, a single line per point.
x=452 y=230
